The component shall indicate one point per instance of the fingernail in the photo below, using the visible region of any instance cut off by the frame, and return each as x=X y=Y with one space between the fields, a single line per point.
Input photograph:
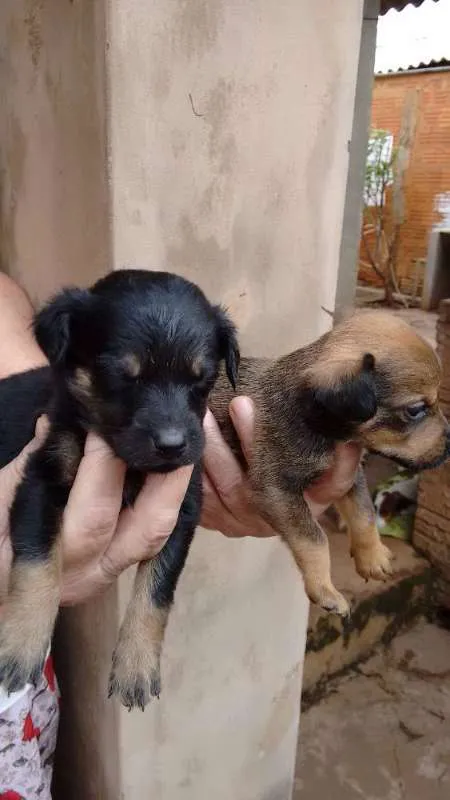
x=208 y=420
x=241 y=407
x=42 y=426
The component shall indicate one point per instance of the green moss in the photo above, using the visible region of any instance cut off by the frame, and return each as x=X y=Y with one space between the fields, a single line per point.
x=400 y=603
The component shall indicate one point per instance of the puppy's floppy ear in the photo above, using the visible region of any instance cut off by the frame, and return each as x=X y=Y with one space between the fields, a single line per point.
x=52 y=325
x=347 y=397
x=228 y=344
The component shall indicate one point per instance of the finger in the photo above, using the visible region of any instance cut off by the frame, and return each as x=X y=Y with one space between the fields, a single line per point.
x=337 y=480
x=217 y=517
x=242 y=413
x=42 y=428
x=12 y=474
x=144 y=529
x=95 y=500
x=230 y=485
x=219 y=462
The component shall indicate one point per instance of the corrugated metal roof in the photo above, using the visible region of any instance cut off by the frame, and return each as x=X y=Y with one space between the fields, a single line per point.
x=417 y=37
x=399 y=5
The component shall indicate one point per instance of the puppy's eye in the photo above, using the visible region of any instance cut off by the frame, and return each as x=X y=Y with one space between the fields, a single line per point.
x=200 y=386
x=416 y=411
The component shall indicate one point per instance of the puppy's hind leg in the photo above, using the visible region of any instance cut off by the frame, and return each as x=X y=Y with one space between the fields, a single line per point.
x=28 y=615
x=290 y=516
x=372 y=558
x=135 y=674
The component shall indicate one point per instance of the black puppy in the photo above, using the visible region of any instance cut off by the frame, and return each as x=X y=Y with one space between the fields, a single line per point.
x=133 y=359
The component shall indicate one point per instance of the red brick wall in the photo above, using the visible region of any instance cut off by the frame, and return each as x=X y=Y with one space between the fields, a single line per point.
x=429 y=172
x=432 y=524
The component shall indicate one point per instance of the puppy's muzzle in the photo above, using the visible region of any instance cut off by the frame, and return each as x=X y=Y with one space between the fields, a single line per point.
x=170 y=442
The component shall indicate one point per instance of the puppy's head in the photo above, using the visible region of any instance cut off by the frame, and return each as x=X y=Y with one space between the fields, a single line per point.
x=377 y=381
x=138 y=354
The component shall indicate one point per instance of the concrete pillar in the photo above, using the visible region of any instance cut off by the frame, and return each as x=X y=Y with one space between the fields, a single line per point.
x=351 y=228
x=208 y=137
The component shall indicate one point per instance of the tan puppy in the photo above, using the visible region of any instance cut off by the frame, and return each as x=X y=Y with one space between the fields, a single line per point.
x=370 y=380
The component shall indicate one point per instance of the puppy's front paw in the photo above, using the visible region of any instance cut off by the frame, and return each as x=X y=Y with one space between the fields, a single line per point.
x=135 y=675
x=374 y=561
x=329 y=599
x=22 y=657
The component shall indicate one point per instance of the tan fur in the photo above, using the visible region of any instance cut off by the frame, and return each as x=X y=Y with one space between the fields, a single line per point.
x=372 y=558
x=82 y=388
x=136 y=659
x=388 y=338
x=197 y=366
x=313 y=559
x=413 y=372
x=29 y=613
x=82 y=383
x=132 y=364
x=425 y=443
x=69 y=453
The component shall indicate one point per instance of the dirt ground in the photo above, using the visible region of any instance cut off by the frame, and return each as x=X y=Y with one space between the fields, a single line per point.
x=383 y=731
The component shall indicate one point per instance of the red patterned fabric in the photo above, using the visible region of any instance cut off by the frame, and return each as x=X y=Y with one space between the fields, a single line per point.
x=28 y=729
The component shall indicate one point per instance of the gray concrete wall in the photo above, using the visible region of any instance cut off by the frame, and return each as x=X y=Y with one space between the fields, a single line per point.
x=230 y=154
x=54 y=230
x=223 y=131
x=53 y=169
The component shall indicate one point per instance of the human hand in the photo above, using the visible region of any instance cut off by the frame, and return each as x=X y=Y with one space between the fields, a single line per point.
x=227 y=501
x=99 y=541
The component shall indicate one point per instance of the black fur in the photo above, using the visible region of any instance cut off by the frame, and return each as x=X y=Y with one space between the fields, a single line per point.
x=170 y=561
x=228 y=346
x=53 y=324
x=23 y=398
x=166 y=324
x=335 y=412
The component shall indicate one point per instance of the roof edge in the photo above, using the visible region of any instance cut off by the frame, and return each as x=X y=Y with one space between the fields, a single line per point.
x=399 y=5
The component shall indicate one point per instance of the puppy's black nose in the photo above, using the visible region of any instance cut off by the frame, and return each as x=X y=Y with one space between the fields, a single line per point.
x=170 y=441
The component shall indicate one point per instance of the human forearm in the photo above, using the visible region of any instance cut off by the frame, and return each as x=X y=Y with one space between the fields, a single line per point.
x=18 y=348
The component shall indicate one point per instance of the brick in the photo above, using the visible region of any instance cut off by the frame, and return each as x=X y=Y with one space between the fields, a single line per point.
x=429 y=171
x=437 y=552
x=436 y=477
x=438 y=525
x=432 y=523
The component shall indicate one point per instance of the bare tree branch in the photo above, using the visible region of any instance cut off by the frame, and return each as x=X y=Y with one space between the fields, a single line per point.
x=384 y=213
x=371 y=259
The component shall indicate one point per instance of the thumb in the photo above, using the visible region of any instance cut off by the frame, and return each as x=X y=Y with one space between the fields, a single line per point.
x=242 y=413
x=12 y=474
